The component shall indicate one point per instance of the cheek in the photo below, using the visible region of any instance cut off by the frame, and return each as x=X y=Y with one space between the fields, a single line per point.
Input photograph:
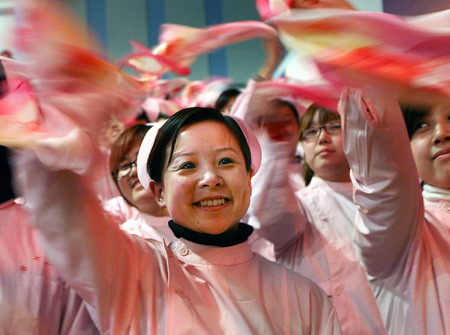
x=124 y=188
x=337 y=141
x=420 y=156
x=339 y=146
x=308 y=152
x=176 y=194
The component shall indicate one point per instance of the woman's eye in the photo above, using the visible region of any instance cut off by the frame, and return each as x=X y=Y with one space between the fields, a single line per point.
x=186 y=166
x=422 y=127
x=335 y=126
x=226 y=161
x=311 y=132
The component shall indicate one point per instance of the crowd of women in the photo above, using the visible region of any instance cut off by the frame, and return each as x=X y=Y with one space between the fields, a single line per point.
x=259 y=211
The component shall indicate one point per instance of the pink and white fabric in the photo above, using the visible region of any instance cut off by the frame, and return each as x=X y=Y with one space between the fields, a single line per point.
x=183 y=44
x=203 y=93
x=363 y=49
x=72 y=90
x=254 y=98
x=270 y=8
x=150 y=65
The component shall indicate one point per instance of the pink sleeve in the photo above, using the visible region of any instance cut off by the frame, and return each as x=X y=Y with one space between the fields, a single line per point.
x=386 y=185
x=83 y=246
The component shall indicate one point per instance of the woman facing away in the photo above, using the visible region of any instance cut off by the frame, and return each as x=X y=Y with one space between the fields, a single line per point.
x=135 y=210
x=402 y=232
x=312 y=229
x=207 y=281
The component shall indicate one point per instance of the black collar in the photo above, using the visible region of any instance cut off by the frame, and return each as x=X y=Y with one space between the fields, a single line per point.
x=225 y=239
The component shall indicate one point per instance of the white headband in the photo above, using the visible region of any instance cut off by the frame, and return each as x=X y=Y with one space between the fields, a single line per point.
x=149 y=141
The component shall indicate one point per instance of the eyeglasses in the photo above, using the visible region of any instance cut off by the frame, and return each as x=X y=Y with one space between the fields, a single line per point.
x=331 y=128
x=124 y=170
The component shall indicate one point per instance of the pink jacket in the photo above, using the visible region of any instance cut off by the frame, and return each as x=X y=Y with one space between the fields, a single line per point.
x=139 y=286
x=33 y=297
x=404 y=245
x=312 y=231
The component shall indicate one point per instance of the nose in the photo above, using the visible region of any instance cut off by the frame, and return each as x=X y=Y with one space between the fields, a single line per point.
x=324 y=137
x=210 y=179
x=442 y=132
x=133 y=171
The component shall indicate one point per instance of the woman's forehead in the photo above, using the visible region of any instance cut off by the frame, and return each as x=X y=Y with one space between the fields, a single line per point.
x=132 y=151
x=205 y=133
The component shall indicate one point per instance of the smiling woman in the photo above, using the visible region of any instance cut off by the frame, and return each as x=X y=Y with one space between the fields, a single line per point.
x=201 y=170
x=207 y=281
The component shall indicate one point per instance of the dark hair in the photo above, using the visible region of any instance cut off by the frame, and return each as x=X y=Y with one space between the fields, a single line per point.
x=413 y=115
x=122 y=146
x=142 y=117
x=169 y=132
x=225 y=97
x=325 y=115
x=6 y=179
x=281 y=103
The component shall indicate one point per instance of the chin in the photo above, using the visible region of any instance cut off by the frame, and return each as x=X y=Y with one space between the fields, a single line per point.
x=216 y=228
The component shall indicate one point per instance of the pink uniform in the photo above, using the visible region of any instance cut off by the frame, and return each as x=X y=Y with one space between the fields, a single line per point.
x=142 y=286
x=33 y=297
x=312 y=231
x=404 y=241
x=134 y=222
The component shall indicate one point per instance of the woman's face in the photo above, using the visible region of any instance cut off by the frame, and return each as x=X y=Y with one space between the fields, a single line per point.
x=206 y=186
x=325 y=154
x=430 y=145
x=280 y=124
x=132 y=190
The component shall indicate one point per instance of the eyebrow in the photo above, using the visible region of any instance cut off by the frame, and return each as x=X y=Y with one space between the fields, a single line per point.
x=176 y=155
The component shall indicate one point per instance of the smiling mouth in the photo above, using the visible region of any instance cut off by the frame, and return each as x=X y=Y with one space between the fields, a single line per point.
x=212 y=202
x=441 y=153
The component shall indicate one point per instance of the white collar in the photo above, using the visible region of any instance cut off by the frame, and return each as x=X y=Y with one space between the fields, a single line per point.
x=435 y=193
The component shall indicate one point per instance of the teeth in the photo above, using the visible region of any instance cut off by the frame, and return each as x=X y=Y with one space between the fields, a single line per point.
x=212 y=203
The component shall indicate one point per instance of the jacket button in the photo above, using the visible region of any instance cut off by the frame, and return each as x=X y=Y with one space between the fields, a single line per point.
x=184 y=251
x=181 y=293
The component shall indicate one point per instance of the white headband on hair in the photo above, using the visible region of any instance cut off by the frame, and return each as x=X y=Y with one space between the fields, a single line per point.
x=149 y=141
x=144 y=153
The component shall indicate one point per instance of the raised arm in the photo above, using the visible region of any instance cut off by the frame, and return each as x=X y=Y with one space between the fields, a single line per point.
x=99 y=261
x=386 y=185
x=274 y=208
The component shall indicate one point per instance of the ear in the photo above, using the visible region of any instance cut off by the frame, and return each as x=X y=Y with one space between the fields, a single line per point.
x=249 y=178
x=158 y=192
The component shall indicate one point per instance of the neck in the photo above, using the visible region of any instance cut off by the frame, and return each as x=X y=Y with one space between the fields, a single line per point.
x=337 y=178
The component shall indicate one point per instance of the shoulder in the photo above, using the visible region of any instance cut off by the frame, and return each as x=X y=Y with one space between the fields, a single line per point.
x=292 y=280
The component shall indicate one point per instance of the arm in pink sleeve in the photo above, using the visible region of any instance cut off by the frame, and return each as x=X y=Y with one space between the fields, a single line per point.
x=102 y=263
x=274 y=208
x=387 y=191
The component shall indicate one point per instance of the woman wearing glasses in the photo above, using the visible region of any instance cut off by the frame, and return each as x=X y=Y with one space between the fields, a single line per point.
x=135 y=210
x=312 y=229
